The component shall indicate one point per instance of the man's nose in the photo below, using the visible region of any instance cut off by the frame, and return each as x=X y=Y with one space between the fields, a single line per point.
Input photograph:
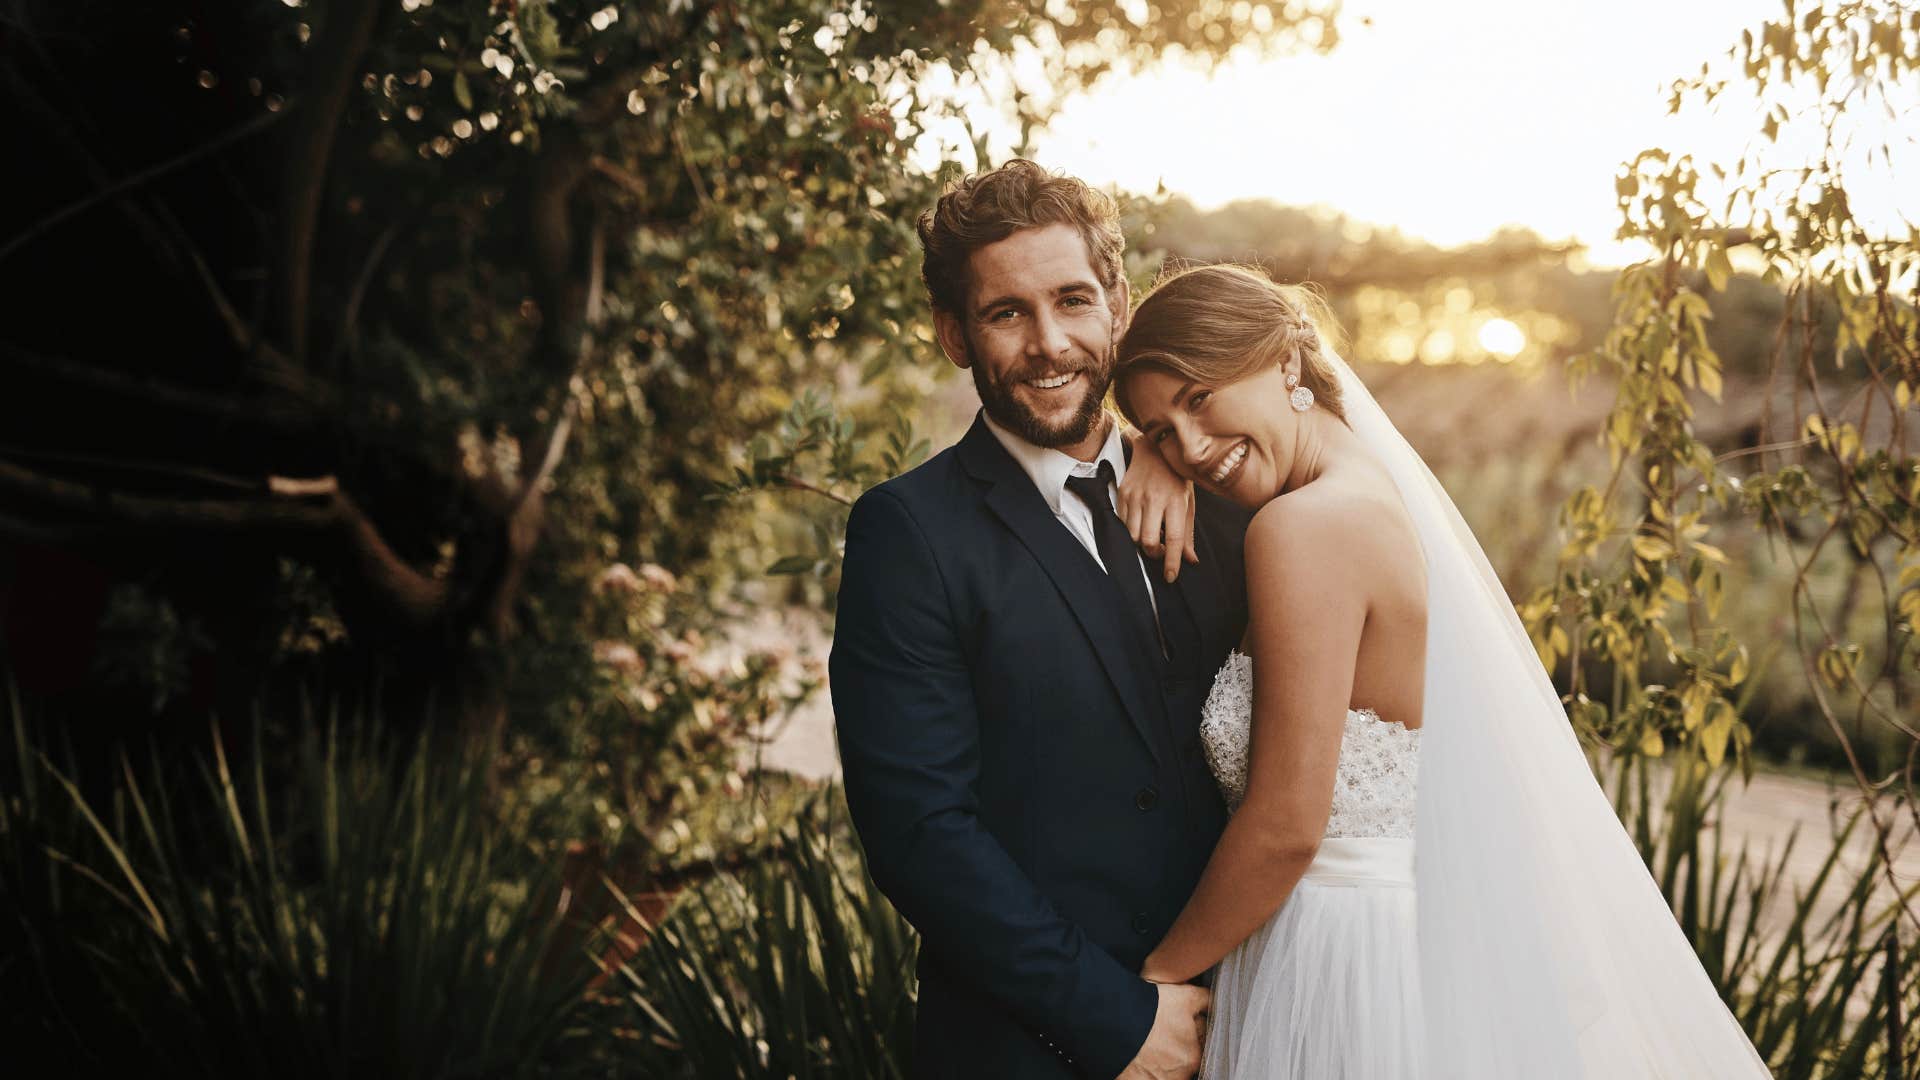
x=1049 y=338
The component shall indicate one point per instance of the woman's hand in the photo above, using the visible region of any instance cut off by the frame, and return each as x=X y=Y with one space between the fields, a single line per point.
x=1157 y=507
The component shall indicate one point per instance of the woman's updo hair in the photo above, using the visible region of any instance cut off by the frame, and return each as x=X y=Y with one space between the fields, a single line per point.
x=1219 y=324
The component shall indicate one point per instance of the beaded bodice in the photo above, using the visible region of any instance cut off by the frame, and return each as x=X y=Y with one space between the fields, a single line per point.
x=1378 y=778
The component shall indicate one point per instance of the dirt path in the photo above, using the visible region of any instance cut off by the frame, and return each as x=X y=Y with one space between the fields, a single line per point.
x=1766 y=812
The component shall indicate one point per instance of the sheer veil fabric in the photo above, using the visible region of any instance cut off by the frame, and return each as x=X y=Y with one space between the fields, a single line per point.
x=1546 y=950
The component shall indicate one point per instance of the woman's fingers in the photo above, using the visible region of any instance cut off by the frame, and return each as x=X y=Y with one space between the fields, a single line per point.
x=1177 y=546
x=1131 y=515
x=1193 y=507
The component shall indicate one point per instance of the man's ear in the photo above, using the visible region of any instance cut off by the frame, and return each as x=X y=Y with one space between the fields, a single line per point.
x=953 y=337
x=1120 y=303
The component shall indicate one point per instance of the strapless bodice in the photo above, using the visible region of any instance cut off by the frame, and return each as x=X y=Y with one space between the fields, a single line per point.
x=1378 y=779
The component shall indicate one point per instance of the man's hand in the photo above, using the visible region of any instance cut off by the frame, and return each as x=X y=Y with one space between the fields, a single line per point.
x=1172 y=1049
x=1157 y=507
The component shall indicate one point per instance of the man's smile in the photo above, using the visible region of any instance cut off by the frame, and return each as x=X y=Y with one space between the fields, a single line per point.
x=1053 y=382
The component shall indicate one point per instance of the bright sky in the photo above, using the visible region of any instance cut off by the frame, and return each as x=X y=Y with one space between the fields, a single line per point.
x=1446 y=120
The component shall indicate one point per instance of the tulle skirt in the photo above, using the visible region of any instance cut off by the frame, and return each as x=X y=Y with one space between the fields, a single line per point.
x=1329 y=988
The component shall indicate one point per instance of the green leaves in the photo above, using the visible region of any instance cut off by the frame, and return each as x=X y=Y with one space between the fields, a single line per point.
x=821 y=453
x=1718 y=268
x=1808 y=535
x=1811 y=526
x=794 y=966
x=796 y=564
x=365 y=912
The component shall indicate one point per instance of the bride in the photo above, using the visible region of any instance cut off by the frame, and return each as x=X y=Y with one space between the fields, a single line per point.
x=1421 y=877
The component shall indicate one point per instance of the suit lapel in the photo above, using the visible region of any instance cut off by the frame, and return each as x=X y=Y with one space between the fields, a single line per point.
x=1194 y=591
x=1197 y=590
x=1079 y=579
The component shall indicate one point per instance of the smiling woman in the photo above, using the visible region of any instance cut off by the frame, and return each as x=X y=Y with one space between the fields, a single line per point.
x=1218 y=324
x=1369 y=600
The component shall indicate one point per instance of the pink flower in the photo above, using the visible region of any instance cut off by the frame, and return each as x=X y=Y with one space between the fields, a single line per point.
x=617 y=655
x=618 y=578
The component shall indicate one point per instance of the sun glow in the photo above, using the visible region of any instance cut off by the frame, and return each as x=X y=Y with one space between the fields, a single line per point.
x=1502 y=338
x=1445 y=121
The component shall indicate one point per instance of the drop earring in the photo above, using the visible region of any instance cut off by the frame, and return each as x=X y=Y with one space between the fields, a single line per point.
x=1301 y=397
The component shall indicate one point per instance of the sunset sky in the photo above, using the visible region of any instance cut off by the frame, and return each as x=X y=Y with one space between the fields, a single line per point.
x=1444 y=120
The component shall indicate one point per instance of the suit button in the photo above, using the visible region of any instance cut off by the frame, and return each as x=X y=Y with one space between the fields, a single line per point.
x=1141 y=925
x=1146 y=799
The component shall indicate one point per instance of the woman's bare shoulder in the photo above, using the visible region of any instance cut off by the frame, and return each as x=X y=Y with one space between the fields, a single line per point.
x=1327 y=512
x=1330 y=530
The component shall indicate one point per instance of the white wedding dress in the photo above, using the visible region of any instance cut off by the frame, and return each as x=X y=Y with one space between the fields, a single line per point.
x=1476 y=911
x=1329 y=988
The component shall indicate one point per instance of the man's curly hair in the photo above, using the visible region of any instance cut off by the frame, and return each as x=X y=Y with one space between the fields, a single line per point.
x=991 y=206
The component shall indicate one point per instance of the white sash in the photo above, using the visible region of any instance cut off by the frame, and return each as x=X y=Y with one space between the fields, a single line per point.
x=1362 y=860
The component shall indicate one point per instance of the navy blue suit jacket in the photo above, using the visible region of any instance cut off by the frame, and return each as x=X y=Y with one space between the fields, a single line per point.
x=1025 y=775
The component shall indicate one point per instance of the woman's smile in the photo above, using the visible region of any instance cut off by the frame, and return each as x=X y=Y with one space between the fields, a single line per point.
x=1228 y=467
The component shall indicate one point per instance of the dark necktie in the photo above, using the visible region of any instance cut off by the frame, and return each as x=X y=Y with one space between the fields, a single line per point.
x=1117 y=552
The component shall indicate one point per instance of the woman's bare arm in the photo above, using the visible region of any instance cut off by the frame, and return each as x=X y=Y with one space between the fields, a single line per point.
x=1157 y=507
x=1308 y=606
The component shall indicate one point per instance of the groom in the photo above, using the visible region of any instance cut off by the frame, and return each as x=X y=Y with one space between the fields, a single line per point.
x=1017 y=695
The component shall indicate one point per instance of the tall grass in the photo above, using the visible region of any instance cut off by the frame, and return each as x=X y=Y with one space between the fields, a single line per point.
x=1818 y=973
x=796 y=967
x=369 y=915
x=363 y=916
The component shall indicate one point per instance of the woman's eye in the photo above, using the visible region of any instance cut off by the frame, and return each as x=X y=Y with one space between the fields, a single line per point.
x=1198 y=398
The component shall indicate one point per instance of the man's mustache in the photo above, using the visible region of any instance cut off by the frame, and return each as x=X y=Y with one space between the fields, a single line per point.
x=1039 y=370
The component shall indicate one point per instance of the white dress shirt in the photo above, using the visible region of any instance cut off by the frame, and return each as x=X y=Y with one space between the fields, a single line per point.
x=1050 y=469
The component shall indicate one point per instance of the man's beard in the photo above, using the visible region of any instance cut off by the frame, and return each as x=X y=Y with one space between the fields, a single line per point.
x=1000 y=402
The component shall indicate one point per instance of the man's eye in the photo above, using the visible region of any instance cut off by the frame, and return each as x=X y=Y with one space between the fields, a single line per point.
x=1078 y=301
x=1002 y=315
x=1159 y=436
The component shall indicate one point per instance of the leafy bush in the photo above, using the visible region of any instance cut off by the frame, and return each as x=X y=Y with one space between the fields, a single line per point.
x=364 y=916
x=1814 y=973
x=795 y=967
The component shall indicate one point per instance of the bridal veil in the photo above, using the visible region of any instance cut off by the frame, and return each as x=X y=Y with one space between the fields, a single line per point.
x=1546 y=950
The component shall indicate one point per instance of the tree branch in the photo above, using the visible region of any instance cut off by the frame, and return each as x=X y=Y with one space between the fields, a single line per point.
x=349 y=343
x=613 y=171
x=161 y=511
x=170 y=470
x=289 y=410
x=557 y=291
x=312 y=506
x=143 y=176
x=342 y=40
x=798 y=484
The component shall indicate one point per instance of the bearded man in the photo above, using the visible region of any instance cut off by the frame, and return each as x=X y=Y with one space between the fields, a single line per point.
x=1017 y=691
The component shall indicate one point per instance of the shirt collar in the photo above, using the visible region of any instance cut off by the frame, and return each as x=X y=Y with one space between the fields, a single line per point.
x=1049 y=469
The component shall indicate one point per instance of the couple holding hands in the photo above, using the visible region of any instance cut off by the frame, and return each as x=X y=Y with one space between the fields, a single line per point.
x=1286 y=795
